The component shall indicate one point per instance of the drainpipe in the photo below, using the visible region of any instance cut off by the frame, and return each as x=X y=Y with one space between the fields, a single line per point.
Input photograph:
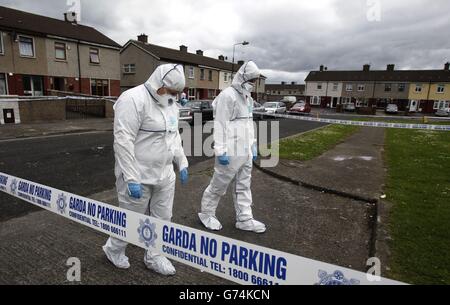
x=79 y=66
x=429 y=91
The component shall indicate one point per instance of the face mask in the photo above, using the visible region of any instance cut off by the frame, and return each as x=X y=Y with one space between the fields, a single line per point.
x=249 y=87
x=166 y=100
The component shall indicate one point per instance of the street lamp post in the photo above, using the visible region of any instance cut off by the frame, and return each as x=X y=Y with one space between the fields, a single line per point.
x=244 y=43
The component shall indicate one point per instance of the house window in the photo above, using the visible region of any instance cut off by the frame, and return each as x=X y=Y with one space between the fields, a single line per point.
x=2 y=49
x=361 y=87
x=349 y=87
x=279 y=92
x=418 y=88
x=387 y=87
x=440 y=88
x=362 y=103
x=225 y=77
x=319 y=86
x=335 y=86
x=211 y=94
x=401 y=87
x=210 y=75
x=60 y=51
x=129 y=68
x=100 y=87
x=94 y=56
x=191 y=93
x=202 y=74
x=315 y=100
x=191 y=72
x=33 y=86
x=26 y=46
x=441 y=105
x=3 y=87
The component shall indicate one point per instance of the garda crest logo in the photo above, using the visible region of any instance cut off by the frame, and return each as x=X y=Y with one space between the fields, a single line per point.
x=335 y=279
x=13 y=186
x=61 y=203
x=147 y=233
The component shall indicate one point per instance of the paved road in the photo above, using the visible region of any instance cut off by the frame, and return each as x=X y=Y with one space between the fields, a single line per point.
x=81 y=164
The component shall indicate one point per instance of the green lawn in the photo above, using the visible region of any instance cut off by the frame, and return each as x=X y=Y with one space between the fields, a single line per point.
x=418 y=185
x=313 y=144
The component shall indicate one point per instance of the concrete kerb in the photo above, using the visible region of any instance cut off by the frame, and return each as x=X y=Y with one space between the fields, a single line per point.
x=374 y=202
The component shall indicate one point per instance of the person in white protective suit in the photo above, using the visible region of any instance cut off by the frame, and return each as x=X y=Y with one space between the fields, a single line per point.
x=146 y=143
x=236 y=149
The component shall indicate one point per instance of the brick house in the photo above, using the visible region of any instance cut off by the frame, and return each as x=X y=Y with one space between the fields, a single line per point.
x=39 y=54
x=412 y=90
x=206 y=77
x=275 y=92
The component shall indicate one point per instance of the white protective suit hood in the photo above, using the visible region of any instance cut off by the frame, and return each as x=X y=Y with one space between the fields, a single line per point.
x=169 y=76
x=247 y=72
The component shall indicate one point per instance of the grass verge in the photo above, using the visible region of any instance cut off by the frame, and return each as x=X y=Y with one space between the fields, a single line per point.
x=312 y=144
x=418 y=185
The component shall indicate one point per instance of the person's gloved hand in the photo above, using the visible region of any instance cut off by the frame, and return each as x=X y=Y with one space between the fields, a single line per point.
x=184 y=176
x=224 y=160
x=255 y=152
x=135 y=190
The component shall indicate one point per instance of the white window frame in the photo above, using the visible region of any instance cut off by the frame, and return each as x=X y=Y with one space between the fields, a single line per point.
x=2 y=46
x=441 y=105
x=349 y=87
x=202 y=77
x=361 y=87
x=33 y=43
x=440 y=86
x=127 y=69
x=98 y=55
x=418 y=89
x=386 y=86
x=402 y=86
x=190 y=96
x=65 y=51
x=6 y=83
x=316 y=101
x=191 y=72
x=225 y=77
x=335 y=86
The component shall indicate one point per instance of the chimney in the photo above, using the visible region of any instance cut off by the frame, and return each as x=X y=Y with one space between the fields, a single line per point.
x=183 y=48
x=199 y=52
x=390 y=67
x=143 y=38
x=321 y=68
x=240 y=62
x=221 y=57
x=447 y=66
x=71 y=17
x=294 y=83
x=283 y=83
x=366 y=68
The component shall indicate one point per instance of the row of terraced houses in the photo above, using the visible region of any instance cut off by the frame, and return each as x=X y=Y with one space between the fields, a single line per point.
x=42 y=56
x=423 y=91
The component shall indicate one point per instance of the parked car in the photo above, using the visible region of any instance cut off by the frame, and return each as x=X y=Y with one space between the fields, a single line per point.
x=350 y=107
x=257 y=107
x=203 y=107
x=275 y=107
x=300 y=108
x=392 y=109
x=186 y=114
x=443 y=112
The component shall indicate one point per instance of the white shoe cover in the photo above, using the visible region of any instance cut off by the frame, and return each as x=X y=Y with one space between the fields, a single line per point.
x=160 y=264
x=119 y=260
x=210 y=222
x=251 y=226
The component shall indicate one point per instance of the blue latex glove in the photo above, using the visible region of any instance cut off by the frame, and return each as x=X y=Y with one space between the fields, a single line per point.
x=224 y=160
x=135 y=190
x=255 y=152
x=184 y=176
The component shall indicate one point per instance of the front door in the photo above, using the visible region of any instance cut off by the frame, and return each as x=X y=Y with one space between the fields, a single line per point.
x=335 y=102
x=8 y=114
x=413 y=106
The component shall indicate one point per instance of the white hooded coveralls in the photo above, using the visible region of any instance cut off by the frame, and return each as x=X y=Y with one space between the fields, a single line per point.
x=234 y=136
x=146 y=143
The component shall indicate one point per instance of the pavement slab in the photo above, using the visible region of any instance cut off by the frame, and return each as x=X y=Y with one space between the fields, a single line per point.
x=34 y=248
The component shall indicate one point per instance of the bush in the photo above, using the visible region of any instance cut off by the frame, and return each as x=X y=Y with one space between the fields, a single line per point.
x=367 y=111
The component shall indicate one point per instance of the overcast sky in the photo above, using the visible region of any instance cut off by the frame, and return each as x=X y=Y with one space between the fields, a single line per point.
x=288 y=38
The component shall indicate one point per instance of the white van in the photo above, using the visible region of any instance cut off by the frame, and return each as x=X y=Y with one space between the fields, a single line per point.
x=289 y=99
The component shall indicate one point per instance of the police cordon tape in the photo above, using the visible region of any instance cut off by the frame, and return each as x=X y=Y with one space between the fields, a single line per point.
x=358 y=123
x=233 y=260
